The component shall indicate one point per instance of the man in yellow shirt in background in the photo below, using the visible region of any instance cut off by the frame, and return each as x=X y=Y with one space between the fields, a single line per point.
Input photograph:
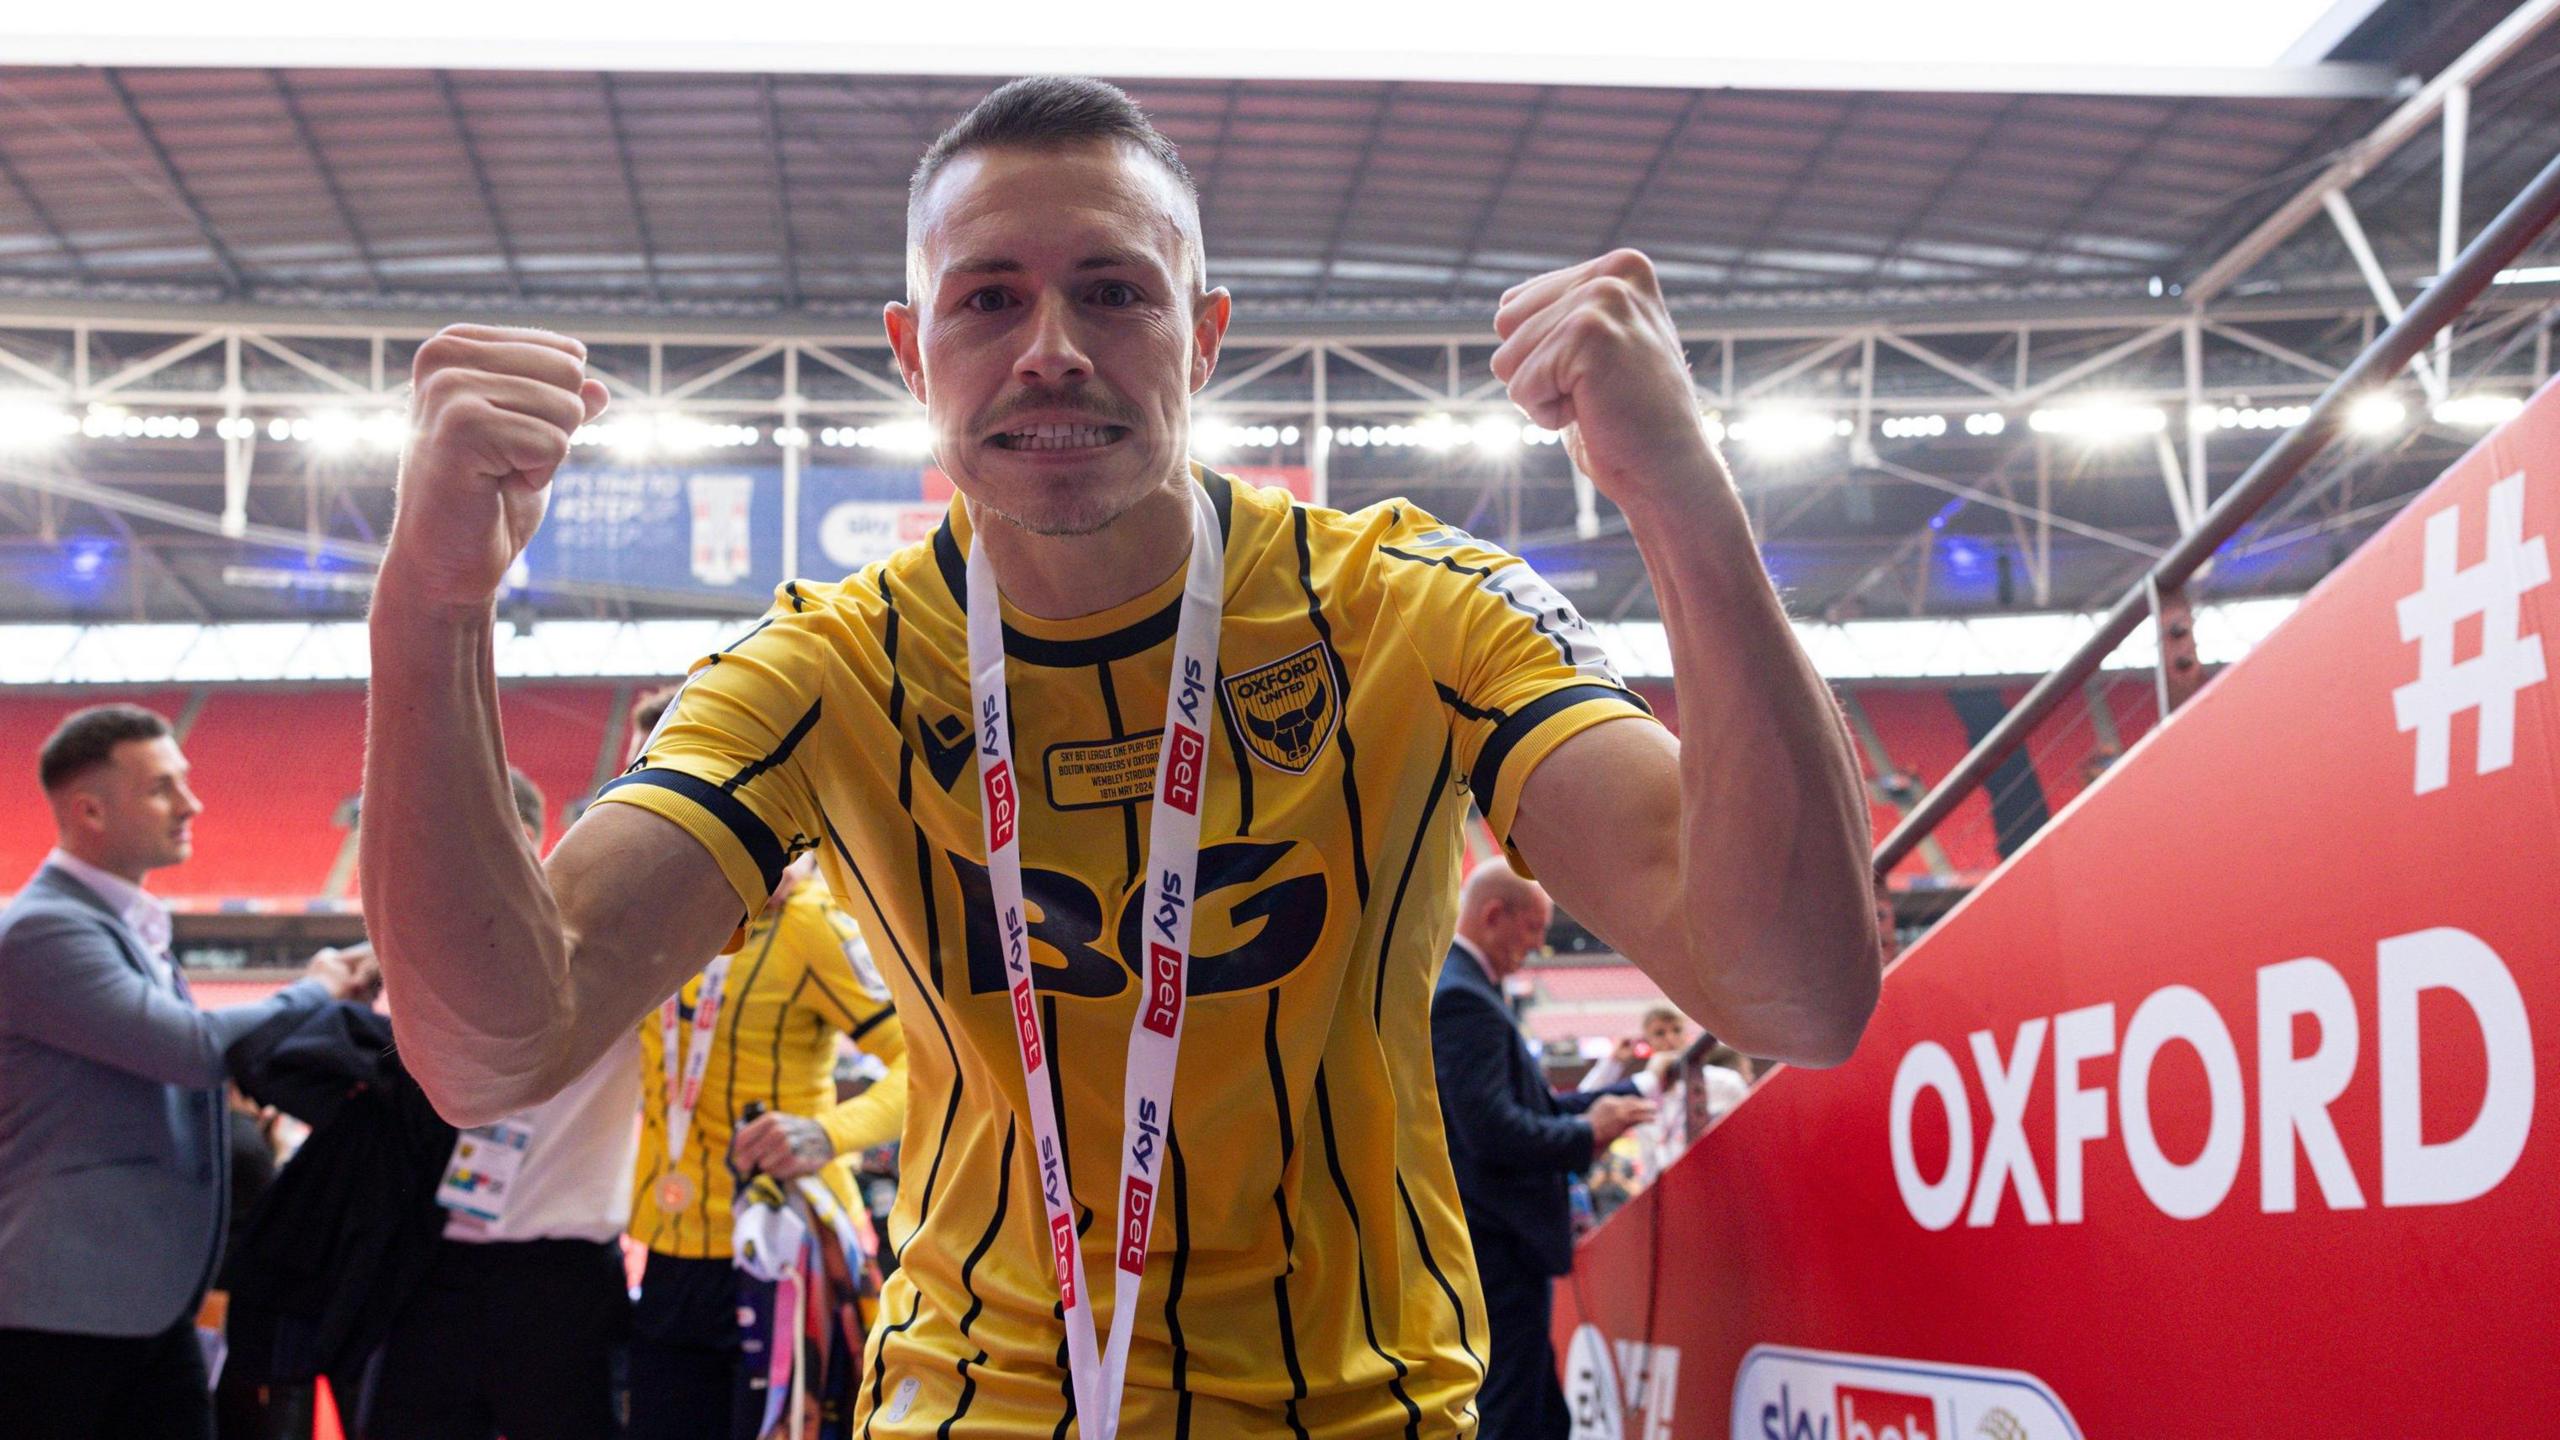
x=758 y=1027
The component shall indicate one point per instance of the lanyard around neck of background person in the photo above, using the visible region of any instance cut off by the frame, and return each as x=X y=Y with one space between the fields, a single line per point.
x=684 y=1092
x=1155 y=1034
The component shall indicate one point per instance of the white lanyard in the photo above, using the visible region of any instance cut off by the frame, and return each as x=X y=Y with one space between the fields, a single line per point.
x=684 y=1095
x=1155 y=1035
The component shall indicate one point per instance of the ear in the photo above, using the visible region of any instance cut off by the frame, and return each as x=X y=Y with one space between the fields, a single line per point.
x=900 y=320
x=1208 y=335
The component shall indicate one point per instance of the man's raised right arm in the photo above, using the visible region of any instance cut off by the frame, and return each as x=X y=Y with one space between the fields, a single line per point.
x=506 y=979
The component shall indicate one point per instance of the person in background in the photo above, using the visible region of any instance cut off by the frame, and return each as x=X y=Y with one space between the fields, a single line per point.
x=1515 y=1144
x=1648 y=1061
x=759 y=1026
x=115 y=1153
x=240 y=1402
x=517 y=1324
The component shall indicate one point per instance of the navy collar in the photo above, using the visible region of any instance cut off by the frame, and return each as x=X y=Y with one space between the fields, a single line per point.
x=1136 y=638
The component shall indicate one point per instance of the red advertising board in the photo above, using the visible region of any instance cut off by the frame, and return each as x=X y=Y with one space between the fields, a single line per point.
x=2215 y=1113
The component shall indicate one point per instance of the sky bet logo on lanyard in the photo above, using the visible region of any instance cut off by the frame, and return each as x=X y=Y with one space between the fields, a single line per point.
x=1155 y=1033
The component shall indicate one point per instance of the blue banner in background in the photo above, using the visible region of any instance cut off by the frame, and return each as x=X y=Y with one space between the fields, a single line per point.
x=717 y=530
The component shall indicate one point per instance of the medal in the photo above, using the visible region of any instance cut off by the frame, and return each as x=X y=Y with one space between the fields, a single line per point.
x=675 y=1193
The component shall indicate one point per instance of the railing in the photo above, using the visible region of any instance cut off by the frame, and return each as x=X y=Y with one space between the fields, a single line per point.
x=2162 y=592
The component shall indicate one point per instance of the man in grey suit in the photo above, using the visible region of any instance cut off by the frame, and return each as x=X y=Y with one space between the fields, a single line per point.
x=113 y=1149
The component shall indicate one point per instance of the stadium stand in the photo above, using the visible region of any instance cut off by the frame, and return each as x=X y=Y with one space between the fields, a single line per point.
x=276 y=769
x=566 y=738
x=1923 y=736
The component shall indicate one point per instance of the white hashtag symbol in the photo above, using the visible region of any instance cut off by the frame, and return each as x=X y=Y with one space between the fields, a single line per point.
x=2509 y=661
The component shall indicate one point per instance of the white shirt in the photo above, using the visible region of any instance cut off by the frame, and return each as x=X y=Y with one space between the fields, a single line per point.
x=1607 y=1072
x=575 y=1183
x=145 y=914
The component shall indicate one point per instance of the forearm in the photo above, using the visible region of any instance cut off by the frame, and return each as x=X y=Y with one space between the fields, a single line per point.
x=473 y=955
x=1772 y=825
x=873 y=1117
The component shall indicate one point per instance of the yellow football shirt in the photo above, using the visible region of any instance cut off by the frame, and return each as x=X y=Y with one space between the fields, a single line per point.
x=802 y=977
x=1310 y=1273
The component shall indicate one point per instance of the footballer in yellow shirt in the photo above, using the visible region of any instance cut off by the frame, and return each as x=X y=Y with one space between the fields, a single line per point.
x=800 y=978
x=1309 y=1270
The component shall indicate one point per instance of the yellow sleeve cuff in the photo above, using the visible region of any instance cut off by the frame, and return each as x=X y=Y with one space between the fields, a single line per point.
x=1525 y=738
x=742 y=844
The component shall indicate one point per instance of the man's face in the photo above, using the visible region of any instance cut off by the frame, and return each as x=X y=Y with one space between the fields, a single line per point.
x=1520 y=932
x=134 y=813
x=1055 y=336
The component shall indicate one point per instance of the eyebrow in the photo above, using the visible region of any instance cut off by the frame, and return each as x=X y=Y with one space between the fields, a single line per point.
x=1103 y=260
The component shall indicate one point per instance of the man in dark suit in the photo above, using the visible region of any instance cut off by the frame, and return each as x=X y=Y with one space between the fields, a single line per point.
x=1515 y=1144
x=114 y=1157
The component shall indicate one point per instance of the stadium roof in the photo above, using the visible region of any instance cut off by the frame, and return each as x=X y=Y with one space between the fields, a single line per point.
x=647 y=204
x=670 y=193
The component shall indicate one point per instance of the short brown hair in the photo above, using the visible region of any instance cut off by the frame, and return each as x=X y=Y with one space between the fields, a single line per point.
x=651 y=708
x=88 y=739
x=1666 y=1012
x=1042 y=112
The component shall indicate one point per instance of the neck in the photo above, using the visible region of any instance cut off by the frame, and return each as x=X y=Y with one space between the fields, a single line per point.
x=1060 y=577
x=129 y=873
x=1492 y=966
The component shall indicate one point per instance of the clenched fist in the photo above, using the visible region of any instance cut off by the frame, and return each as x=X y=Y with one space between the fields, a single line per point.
x=1591 y=351
x=490 y=419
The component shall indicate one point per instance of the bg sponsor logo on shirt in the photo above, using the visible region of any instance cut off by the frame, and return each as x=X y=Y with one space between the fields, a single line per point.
x=1783 y=1394
x=1258 y=910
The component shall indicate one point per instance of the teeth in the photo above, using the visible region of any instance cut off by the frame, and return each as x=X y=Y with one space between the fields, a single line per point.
x=1057 y=437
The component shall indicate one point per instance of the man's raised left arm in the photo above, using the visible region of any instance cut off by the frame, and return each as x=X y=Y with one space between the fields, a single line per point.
x=1729 y=863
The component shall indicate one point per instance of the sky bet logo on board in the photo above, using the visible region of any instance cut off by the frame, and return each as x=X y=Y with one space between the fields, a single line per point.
x=1783 y=1394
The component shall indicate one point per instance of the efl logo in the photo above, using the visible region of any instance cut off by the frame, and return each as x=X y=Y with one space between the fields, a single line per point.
x=1062 y=1253
x=1164 y=988
x=1139 y=1206
x=1182 y=771
x=1025 y=1026
x=1886 y=1415
x=999 y=787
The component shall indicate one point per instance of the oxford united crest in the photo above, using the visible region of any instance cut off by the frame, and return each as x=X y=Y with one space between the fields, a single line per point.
x=1288 y=708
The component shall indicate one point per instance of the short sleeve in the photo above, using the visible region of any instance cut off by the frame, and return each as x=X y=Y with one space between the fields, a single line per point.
x=727 y=761
x=1517 y=668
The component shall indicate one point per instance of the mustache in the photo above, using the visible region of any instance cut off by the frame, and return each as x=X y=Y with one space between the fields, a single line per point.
x=1101 y=404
